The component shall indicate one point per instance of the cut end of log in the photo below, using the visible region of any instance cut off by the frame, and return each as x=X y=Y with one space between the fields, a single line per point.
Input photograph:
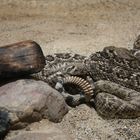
x=21 y=58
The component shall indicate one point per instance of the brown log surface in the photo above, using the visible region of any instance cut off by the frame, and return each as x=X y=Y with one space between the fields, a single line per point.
x=21 y=58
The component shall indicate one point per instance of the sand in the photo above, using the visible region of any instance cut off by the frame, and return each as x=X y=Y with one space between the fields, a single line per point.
x=82 y=26
x=78 y=26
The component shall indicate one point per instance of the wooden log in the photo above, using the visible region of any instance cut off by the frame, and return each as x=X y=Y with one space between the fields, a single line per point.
x=21 y=58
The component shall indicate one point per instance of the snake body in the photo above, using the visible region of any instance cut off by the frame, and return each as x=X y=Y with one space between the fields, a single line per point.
x=117 y=68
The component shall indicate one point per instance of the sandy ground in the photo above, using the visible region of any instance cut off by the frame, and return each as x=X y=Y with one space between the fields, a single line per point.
x=83 y=123
x=82 y=26
x=79 y=26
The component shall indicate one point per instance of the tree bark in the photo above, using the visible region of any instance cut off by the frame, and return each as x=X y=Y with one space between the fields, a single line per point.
x=21 y=58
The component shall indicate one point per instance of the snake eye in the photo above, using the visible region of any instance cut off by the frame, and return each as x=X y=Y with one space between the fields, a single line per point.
x=70 y=69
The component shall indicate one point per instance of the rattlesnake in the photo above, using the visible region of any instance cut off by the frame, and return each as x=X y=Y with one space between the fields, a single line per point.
x=67 y=70
x=119 y=66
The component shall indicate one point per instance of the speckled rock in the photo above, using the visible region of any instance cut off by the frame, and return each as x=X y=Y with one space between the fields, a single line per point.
x=28 y=101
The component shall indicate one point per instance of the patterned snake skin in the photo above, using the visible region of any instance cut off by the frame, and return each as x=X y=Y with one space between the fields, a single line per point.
x=61 y=66
x=112 y=74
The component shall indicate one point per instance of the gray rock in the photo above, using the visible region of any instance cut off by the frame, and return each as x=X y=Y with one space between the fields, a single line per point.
x=4 y=123
x=28 y=101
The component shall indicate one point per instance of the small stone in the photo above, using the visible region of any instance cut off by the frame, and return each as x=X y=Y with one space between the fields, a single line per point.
x=136 y=44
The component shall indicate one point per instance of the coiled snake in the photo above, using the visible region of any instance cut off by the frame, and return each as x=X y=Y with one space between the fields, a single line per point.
x=111 y=77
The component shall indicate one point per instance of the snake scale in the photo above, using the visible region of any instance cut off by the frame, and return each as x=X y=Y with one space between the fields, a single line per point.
x=109 y=78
